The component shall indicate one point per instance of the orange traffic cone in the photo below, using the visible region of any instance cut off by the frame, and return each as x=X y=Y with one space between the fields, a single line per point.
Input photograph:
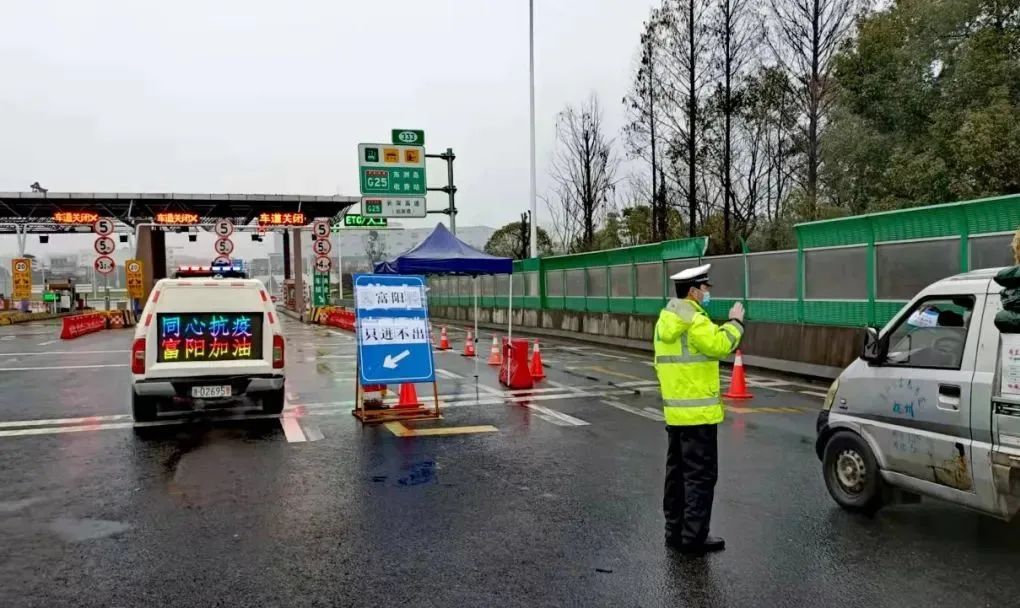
x=738 y=384
x=408 y=396
x=495 y=356
x=469 y=345
x=537 y=370
x=444 y=340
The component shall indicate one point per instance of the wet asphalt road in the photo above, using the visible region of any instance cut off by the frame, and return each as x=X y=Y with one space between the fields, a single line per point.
x=560 y=506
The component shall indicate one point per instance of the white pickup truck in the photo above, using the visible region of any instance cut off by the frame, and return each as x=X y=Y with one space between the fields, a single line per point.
x=925 y=410
x=206 y=341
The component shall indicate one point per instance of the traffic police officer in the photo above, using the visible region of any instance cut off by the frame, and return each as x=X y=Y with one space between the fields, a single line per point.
x=688 y=347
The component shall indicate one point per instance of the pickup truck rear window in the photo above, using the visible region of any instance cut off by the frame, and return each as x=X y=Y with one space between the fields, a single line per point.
x=201 y=337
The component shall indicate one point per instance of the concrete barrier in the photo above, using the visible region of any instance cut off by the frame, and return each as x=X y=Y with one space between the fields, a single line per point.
x=79 y=325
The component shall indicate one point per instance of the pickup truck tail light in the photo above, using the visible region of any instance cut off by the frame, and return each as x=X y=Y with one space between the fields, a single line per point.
x=278 y=351
x=138 y=356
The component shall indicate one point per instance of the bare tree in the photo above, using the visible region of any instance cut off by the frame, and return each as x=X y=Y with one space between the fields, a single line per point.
x=731 y=27
x=804 y=36
x=643 y=134
x=686 y=75
x=584 y=168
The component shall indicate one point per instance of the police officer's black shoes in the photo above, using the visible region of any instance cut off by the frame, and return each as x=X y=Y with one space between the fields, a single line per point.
x=711 y=544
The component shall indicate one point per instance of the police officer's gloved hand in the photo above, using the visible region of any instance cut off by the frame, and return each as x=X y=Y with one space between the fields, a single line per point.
x=737 y=312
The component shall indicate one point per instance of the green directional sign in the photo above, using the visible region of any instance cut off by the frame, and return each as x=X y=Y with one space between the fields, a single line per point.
x=353 y=220
x=391 y=169
x=409 y=137
x=49 y=296
x=320 y=289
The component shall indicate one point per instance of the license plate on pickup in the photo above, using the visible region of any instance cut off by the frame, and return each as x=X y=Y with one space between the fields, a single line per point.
x=210 y=392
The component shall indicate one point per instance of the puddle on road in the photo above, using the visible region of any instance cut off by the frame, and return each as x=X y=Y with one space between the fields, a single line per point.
x=78 y=530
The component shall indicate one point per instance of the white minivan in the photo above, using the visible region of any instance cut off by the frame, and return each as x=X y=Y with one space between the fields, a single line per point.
x=921 y=411
x=206 y=341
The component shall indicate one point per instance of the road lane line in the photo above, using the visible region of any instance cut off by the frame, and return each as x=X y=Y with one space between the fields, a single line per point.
x=448 y=374
x=633 y=410
x=815 y=393
x=401 y=430
x=292 y=429
x=47 y=343
x=312 y=431
x=560 y=385
x=60 y=367
x=64 y=352
x=57 y=421
x=66 y=429
x=555 y=414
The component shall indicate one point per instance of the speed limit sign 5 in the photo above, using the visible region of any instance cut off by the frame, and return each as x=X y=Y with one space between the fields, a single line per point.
x=320 y=229
x=104 y=245
x=224 y=228
x=321 y=247
x=103 y=226
x=224 y=247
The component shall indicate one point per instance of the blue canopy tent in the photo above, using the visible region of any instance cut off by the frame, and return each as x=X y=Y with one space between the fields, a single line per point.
x=443 y=253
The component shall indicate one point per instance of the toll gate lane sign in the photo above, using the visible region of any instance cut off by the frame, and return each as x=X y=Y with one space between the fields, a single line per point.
x=393 y=329
x=21 y=277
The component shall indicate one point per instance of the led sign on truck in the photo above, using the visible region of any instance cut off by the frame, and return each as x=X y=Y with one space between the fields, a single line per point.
x=199 y=337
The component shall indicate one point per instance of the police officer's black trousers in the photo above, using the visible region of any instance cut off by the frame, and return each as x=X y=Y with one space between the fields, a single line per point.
x=692 y=467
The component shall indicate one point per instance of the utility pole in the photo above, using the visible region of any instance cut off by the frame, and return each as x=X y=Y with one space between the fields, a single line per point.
x=531 y=81
x=449 y=188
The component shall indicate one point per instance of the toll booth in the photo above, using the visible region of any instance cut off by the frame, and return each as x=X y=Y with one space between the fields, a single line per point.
x=60 y=295
x=289 y=293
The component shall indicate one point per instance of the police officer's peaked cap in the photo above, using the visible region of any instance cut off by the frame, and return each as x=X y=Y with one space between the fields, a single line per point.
x=693 y=276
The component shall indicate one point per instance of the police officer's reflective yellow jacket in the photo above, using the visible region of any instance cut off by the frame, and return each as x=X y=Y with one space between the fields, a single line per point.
x=688 y=347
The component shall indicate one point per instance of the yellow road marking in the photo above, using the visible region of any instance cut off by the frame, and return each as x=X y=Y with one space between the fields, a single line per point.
x=764 y=410
x=398 y=429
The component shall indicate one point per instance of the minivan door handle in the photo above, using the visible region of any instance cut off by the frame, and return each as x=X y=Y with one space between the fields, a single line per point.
x=949 y=397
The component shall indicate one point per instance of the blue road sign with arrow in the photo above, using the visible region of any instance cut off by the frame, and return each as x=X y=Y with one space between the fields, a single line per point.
x=394 y=343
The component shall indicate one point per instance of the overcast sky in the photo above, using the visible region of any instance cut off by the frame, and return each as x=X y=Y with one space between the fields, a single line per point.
x=273 y=97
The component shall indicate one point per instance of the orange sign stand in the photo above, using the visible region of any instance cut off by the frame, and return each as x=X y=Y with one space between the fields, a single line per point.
x=407 y=408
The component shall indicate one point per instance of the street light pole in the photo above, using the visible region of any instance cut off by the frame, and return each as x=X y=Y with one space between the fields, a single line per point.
x=531 y=74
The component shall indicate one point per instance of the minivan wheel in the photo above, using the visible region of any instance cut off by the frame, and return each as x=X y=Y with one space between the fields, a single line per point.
x=143 y=409
x=851 y=473
x=272 y=402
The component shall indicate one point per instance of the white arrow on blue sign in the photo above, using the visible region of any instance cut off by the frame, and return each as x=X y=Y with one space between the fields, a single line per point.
x=394 y=343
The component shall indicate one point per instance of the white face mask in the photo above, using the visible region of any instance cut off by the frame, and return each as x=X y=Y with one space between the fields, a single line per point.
x=706 y=298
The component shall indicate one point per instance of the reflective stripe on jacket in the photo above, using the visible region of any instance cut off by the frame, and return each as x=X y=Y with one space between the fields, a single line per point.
x=688 y=347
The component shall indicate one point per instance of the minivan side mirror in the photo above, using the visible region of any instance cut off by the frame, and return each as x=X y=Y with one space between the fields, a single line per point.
x=874 y=350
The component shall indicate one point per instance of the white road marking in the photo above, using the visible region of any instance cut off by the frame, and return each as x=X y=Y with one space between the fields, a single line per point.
x=633 y=410
x=64 y=352
x=47 y=343
x=312 y=431
x=561 y=386
x=565 y=418
x=815 y=393
x=60 y=367
x=292 y=429
x=448 y=374
x=66 y=429
x=20 y=423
